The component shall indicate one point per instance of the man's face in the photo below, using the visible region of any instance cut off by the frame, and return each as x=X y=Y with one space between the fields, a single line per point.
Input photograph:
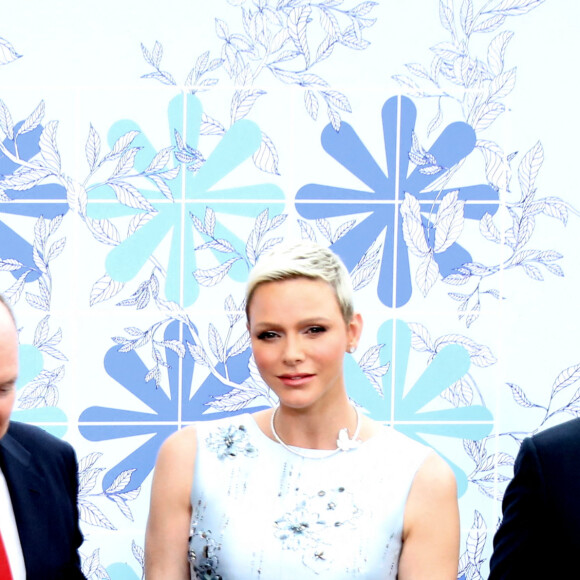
x=8 y=367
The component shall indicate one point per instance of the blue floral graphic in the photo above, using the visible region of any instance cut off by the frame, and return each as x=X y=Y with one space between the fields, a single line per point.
x=186 y=195
x=49 y=201
x=387 y=192
x=168 y=411
x=408 y=409
x=231 y=441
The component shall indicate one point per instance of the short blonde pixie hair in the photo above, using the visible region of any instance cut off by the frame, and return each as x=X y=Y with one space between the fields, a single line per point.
x=303 y=259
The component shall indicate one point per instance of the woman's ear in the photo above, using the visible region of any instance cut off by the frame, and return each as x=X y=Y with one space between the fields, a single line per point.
x=354 y=330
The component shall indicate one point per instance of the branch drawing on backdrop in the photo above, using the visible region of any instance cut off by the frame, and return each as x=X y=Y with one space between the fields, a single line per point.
x=286 y=40
x=462 y=73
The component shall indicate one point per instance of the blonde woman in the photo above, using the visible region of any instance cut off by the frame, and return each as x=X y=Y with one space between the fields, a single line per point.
x=312 y=488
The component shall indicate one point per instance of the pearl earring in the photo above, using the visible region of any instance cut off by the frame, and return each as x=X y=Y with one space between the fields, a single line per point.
x=351 y=349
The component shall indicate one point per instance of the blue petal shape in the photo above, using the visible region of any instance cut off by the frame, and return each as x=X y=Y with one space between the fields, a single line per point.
x=386 y=191
x=403 y=405
x=238 y=144
x=168 y=412
x=12 y=245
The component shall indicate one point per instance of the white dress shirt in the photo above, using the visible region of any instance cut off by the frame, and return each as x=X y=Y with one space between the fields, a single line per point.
x=10 y=532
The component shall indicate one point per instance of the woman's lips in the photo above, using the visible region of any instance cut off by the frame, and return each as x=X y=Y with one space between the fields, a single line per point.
x=295 y=379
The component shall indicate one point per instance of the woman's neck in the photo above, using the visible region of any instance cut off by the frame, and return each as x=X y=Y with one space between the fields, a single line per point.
x=314 y=428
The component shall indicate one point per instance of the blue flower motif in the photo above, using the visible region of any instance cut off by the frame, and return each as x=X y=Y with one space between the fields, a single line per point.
x=410 y=409
x=191 y=192
x=168 y=411
x=387 y=192
x=231 y=441
x=50 y=201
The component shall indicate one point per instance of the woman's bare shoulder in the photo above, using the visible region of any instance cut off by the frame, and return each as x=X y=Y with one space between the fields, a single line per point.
x=180 y=445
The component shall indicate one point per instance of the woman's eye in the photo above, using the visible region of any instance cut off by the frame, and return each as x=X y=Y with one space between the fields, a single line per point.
x=267 y=335
x=316 y=329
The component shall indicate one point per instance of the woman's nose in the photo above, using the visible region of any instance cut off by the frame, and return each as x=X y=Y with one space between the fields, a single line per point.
x=293 y=351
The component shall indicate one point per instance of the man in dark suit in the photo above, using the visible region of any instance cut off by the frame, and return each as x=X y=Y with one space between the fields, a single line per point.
x=539 y=536
x=38 y=486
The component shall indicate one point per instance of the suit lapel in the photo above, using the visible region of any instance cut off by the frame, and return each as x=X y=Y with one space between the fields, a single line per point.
x=24 y=485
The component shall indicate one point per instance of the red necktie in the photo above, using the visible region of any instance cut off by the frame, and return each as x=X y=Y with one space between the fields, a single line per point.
x=5 y=573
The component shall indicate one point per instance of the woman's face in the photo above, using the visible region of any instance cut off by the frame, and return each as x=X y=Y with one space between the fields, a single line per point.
x=299 y=338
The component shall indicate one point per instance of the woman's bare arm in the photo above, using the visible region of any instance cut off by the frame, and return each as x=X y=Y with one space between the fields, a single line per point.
x=431 y=528
x=166 y=539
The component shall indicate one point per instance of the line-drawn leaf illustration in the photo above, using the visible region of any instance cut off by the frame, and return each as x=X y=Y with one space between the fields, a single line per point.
x=9 y=265
x=325 y=48
x=476 y=539
x=466 y=16
x=138 y=553
x=91 y=564
x=311 y=103
x=210 y=126
x=489 y=24
x=91 y=514
x=516 y=7
x=215 y=342
x=413 y=231
x=496 y=51
x=120 y=482
x=503 y=84
x=25 y=178
x=209 y=221
x=418 y=69
x=234 y=400
x=427 y=273
x=336 y=99
x=446 y=15
x=129 y=195
x=13 y=293
x=420 y=338
x=199 y=355
x=449 y=222
x=126 y=162
x=7 y=52
x=121 y=144
x=104 y=231
x=487 y=115
x=33 y=120
x=93 y=148
x=104 y=288
x=240 y=345
x=306 y=231
x=474 y=449
x=566 y=378
x=533 y=272
x=488 y=229
x=519 y=396
x=266 y=158
x=48 y=146
x=297 y=22
x=371 y=357
x=242 y=105
x=213 y=276
x=529 y=168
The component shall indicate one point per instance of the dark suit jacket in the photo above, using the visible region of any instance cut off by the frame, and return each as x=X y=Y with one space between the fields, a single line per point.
x=41 y=472
x=540 y=533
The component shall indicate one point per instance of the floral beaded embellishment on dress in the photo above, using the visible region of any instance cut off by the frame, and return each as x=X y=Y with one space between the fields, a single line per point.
x=230 y=442
x=310 y=527
x=203 y=565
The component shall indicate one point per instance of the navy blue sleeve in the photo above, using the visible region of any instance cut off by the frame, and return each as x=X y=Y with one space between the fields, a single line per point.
x=518 y=542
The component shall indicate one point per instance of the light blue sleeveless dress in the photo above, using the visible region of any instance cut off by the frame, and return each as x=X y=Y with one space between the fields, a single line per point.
x=261 y=512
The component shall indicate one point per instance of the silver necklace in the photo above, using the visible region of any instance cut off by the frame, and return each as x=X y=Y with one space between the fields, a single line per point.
x=343 y=442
